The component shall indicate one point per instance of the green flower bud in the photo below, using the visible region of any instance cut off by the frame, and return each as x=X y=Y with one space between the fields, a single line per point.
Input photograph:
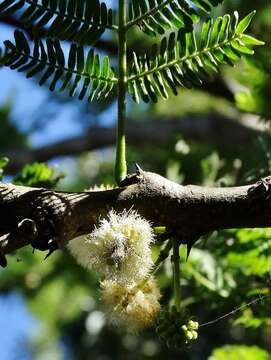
x=195 y=334
x=176 y=329
x=190 y=324
x=189 y=335
x=193 y=325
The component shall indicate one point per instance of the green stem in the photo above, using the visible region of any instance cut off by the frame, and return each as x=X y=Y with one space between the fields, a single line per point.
x=176 y=273
x=161 y=258
x=120 y=166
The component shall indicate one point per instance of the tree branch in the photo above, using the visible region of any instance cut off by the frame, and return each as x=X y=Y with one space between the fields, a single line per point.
x=49 y=219
x=213 y=128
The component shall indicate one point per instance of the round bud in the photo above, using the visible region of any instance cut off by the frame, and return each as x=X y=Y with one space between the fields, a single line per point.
x=189 y=335
x=195 y=334
x=193 y=325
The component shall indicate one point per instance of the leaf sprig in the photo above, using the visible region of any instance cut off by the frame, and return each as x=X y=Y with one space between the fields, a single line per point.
x=157 y=16
x=93 y=78
x=184 y=60
x=81 y=21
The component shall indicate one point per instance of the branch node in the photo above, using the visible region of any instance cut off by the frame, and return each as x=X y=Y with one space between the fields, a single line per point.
x=260 y=190
x=52 y=247
x=132 y=179
x=138 y=169
x=28 y=228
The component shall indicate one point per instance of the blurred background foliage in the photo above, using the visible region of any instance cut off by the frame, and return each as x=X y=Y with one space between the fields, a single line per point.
x=225 y=270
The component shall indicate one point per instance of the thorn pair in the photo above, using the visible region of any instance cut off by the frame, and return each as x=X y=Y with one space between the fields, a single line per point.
x=3 y=261
x=52 y=247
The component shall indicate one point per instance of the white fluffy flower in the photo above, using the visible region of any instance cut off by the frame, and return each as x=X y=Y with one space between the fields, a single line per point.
x=135 y=307
x=119 y=248
x=79 y=248
x=102 y=187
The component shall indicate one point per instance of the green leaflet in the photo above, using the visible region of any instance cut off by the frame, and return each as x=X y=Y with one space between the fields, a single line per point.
x=81 y=21
x=232 y=352
x=38 y=175
x=157 y=16
x=91 y=78
x=185 y=59
x=3 y=163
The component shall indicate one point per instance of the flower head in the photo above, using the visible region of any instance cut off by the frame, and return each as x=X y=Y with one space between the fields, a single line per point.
x=119 y=248
x=102 y=187
x=79 y=248
x=136 y=307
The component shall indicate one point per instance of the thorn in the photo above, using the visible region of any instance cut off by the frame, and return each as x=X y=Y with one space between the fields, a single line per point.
x=53 y=246
x=3 y=261
x=50 y=252
x=138 y=168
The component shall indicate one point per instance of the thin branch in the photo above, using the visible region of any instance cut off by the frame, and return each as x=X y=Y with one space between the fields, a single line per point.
x=120 y=162
x=175 y=259
x=255 y=301
x=188 y=212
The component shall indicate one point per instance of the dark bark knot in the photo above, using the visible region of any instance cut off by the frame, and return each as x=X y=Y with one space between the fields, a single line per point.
x=261 y=190
x=49 y=211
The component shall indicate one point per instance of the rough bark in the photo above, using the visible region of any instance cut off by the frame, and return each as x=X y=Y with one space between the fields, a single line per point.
x=212 y=128
x=49 y=219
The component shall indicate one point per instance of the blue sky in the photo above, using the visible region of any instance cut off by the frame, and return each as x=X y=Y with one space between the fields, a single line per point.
x=29 y=100
x=17 y=325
